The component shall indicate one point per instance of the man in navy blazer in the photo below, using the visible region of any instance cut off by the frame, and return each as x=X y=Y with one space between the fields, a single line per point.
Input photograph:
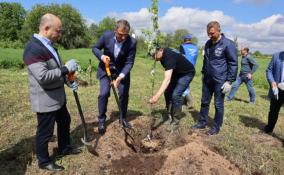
x=275 y=77
x=119 y=50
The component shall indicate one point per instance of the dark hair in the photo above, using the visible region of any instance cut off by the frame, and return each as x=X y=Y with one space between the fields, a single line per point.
x=214 y=24
x=122 y=23
x=246 y=49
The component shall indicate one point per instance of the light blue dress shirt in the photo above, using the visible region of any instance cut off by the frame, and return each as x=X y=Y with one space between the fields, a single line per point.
x=48 y=44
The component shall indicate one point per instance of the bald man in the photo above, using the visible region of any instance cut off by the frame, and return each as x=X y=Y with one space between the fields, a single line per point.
x=47 y=76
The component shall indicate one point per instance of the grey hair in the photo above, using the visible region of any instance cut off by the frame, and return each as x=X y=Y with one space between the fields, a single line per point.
x=214 y=24
x=122 y=23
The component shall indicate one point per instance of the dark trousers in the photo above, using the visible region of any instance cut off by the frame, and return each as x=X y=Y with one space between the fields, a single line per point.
x=173 y=93
x=45 y=129
x=209 y=87
x=275 y=106
x=123 y=93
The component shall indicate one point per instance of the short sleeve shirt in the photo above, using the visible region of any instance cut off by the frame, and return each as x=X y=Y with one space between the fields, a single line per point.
x=177 y=62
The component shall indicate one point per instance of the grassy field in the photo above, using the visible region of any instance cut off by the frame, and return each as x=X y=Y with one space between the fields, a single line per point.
x=239 y=140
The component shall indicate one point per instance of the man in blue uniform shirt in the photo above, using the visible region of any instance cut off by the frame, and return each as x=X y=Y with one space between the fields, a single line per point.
x=190 y=51
x=220 y=66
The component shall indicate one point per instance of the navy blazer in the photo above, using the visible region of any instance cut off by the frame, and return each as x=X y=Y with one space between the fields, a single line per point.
x=125 y=59
x=274 y=70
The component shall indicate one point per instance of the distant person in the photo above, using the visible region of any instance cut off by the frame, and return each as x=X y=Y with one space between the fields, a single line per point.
x=275 y=77
x=48 y=99
x=178 y=74
x=220 y=66
x=248 y=67
x=119 y=50
x=190 y=51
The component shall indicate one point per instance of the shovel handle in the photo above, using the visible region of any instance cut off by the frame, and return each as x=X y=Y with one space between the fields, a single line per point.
x=107 y=69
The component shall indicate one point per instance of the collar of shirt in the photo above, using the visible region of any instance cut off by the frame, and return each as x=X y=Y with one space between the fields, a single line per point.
x=48 y=44
x=117 y=47
x=43 y=39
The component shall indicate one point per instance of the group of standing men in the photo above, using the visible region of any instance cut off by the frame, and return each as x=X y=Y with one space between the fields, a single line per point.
x=47 y=76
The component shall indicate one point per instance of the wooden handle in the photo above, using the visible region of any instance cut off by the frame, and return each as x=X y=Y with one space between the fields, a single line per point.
x=107 y=70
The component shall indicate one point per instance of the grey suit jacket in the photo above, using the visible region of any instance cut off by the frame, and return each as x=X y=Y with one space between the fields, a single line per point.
x=46 y=78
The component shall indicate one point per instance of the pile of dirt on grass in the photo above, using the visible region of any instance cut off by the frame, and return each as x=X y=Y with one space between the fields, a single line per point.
x=177 y=153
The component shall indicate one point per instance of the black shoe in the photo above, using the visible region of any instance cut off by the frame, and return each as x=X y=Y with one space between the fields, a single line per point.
x=70 y=151
x=125 y=124
x=52 y=167
x=198 y=126
x=267 y=130
x=101 y=128
x=213 y=131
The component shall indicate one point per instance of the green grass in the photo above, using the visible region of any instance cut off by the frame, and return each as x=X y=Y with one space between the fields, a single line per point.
x=239 y=140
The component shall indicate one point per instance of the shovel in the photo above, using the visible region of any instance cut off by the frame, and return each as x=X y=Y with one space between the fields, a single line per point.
x=71 y=77
x=119 y=109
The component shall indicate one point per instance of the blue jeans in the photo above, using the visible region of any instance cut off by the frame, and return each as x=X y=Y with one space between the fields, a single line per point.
x=173 y=93
x=208 y=88
x=238 y=82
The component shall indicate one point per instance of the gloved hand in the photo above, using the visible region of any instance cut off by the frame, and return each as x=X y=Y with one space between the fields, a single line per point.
x=226 y=87
x=153 y=72
x=72 y=65
x=281 y=86
x=74 y=86
x=275 y=92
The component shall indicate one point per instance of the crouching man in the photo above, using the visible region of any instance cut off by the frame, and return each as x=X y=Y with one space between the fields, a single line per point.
x=178 y=74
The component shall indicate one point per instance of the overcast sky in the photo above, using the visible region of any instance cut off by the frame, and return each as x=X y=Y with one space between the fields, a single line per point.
x=258 y=24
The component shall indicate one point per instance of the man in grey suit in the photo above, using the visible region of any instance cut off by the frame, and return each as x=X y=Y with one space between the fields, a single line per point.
x=47 y=76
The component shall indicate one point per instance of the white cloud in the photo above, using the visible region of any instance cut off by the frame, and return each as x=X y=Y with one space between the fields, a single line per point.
x=89 y=21
x=266 y=35
x=257 y=2
x=138 y=20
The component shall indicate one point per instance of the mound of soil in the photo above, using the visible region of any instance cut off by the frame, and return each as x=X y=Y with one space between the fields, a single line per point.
x=171 y=153
x=178 y=153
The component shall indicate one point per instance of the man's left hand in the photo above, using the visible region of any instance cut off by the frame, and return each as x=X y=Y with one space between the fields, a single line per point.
x=226 y=87
x=117 y=81
x=74 y=85
x=249 y=76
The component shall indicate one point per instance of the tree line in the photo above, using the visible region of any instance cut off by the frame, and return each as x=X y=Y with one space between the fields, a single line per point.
x=17 y=26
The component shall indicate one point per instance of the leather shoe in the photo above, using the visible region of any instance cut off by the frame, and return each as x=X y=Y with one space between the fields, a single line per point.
x=198 y=126
x=125 y=124
x=213 y=131
x=52 y=167
x=101 y=128
x=70 y=151
x=267 y=130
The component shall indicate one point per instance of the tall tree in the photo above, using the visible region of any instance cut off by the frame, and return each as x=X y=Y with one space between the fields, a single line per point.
x=106 y=24
x=74 y=33
x=178 y=37
x=12 y=16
